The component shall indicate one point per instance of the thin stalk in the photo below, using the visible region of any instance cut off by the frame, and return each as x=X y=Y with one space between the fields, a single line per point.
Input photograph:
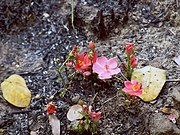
x=61 y=68
x=118 y=78
x=128 y=66
x=72 y=14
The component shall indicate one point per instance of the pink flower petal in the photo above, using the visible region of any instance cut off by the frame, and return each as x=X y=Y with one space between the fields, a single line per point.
x=105 y=75
x=126 y=90
x=87 y=73
x=128 y=84
x=98 y=68
x=136 y=93
x=112 y=63
x=102 y=61
x=134 y=81
x=114 y=71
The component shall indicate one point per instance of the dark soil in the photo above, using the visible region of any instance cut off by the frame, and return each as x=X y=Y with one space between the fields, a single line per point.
x=36 y=37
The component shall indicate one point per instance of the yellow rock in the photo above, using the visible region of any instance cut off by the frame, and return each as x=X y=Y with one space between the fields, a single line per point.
x=15 y=91
x=152 y=80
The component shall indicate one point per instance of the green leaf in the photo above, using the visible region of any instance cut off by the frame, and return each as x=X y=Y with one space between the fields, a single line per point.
x=86 y=127
x=15 y=91
x=152 y=80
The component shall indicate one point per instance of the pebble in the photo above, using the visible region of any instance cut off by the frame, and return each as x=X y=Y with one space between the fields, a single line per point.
x=46 y=15
x=76 y=98
x=176 y=95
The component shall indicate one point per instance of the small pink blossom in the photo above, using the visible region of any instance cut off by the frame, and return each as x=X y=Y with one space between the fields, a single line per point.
x=133 y=88
x=105 y=68
x=95 y=116
x=129 y=48
x=133 y=62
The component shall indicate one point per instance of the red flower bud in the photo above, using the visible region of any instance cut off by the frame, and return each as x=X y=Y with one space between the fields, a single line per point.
x=129 y=48
x=87 y=73
x=123 y=65
x=92 y=45
x=69 y=63
x=95 y=116
x=133 y=62
x=81 y=122
x=85 y=108
x=74 y=50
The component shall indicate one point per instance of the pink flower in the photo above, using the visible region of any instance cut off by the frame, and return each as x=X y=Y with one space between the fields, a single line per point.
x=129 y=48
x=83 y=62
x=133 y=62
x=105 y=68
x=133 y=88
x=95 y=116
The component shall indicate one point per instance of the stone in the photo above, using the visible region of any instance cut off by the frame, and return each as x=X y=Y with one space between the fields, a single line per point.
x=176 y=94
x=160 y=124
x=76 y=98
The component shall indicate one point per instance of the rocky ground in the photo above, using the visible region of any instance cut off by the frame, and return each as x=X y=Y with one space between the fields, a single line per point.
x=39 y=33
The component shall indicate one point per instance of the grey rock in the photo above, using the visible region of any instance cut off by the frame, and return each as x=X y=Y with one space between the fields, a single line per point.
x=161 y=125
x=176 y=94
x=76 y=98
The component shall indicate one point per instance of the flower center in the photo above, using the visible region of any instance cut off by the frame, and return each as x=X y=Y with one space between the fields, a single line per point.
x=81 y=63
x=135 y=87
x=106 y=67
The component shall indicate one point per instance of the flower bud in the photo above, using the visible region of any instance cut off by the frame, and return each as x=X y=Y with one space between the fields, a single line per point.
x=74 y=50
x=85 y=108
x=92 y=45
x=81 y=122
x=123 y=65
x=133 y=62
x=69 y=63
x=129 y=48
x=96 y=116
x=87 y=73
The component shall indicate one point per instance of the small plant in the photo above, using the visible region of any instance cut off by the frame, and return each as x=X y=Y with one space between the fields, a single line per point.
x=82 y=62
x=132 y=61
x=87 y=118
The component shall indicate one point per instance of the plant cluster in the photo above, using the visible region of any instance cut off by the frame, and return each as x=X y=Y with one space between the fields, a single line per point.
x=89 y=121
x=145 y=83
x=88 y=63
